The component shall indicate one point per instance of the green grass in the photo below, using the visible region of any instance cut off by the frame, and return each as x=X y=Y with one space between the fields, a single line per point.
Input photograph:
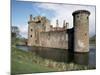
x=22 y=62
x=27 y=62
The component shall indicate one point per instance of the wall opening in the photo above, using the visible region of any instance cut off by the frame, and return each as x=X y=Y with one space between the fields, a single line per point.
x=30 y=35
x=31 y=29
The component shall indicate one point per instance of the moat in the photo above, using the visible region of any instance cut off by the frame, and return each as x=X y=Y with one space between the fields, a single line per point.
x=64 y=56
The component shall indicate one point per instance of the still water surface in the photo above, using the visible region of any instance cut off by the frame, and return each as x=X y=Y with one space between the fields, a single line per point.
x=64 y=56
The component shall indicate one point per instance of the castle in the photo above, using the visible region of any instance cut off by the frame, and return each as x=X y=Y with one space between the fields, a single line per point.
x=41 y=33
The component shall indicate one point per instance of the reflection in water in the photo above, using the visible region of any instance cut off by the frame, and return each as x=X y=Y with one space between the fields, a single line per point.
x=54 y=54
x=80 y=58
x=63 y=55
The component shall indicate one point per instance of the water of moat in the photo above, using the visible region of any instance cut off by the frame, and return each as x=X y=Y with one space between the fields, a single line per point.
x=64 y=56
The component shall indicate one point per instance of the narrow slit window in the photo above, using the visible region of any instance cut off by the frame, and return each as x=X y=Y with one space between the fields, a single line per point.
x=31 y=29
x=87 y=17
x=30 y=35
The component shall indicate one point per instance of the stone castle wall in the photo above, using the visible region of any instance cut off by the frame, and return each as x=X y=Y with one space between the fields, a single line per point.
x=81 y=30
x=36 y=25
x=41 y=33
x=54 y=39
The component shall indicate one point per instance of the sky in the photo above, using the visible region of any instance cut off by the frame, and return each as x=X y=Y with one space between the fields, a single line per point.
x=20 y=11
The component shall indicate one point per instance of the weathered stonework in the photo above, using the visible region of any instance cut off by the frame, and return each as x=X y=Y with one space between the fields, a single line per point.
x=54 y=39
x=81 y=30
x=41 y=33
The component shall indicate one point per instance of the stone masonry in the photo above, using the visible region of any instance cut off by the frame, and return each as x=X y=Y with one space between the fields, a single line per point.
x=81 y=30
x=41 y=33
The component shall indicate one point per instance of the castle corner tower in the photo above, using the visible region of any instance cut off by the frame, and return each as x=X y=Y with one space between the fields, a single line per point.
x=81 y=30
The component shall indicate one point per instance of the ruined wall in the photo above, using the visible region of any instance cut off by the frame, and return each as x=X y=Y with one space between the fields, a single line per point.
x=54 y=39
x=40 y=34
x=31 y=34
x=81 y=31
x=36 y=25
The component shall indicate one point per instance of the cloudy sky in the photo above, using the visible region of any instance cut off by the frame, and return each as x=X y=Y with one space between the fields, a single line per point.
x=21 y=11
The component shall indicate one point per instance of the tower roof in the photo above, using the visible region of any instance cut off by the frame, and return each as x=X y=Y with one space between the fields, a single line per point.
x=80 y=11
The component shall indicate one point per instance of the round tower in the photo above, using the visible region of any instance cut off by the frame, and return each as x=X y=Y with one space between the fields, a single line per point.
x=81 y=30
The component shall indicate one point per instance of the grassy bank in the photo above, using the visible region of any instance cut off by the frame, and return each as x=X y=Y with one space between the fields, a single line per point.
x=28 y=62
x=22 y=62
